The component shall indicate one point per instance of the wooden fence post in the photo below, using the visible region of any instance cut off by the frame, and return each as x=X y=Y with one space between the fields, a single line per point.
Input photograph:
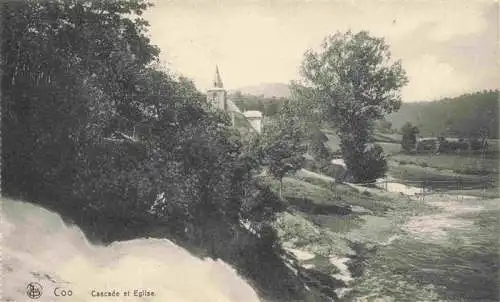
x=484 y=186
x=423 y=191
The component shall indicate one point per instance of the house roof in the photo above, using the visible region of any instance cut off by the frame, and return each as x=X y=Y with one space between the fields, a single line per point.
x=241 y=119
x=231 y=106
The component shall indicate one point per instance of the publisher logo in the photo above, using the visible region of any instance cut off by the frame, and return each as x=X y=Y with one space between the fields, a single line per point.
x=34 y=290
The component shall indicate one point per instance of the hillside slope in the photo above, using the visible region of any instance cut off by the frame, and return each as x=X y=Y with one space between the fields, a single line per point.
x=267 y=90
x=469 y=114
x=38 y=247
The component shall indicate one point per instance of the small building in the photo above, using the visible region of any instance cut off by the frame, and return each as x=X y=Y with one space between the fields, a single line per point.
x=255 y=119
x=217 y=96
x=427 y=144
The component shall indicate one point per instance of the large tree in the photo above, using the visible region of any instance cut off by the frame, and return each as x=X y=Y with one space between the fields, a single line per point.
x=409 y=139
x=67 y=73
x=353 y=81
x=281 y=145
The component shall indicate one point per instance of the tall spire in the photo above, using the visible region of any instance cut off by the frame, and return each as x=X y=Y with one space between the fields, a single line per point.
x=217 y=79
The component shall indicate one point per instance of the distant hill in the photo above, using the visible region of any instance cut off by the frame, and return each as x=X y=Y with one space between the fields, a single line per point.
x=463 y=116
x=267 y=90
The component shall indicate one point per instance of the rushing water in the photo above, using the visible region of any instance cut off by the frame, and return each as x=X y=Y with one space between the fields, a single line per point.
x=38 y=247
x=449 y=254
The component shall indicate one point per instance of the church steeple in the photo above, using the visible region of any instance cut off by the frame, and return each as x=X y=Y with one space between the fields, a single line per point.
x=216 y=95
x=217 y=78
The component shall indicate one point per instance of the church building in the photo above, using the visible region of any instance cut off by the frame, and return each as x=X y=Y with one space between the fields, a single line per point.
x=218 y=97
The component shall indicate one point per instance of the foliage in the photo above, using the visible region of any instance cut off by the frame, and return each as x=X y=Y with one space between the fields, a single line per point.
x=93 y=128
x=369 y=165
x=409 y=139
x=453 y=146
x=353 y=82
x=309 y=237
x=281 y=147
x=66 y=76
x=384 y=126
x=461 y=162
x=317 y=144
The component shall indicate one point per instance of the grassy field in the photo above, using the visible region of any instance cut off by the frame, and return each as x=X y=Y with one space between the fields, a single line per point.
x=390 y=148
x=337 y=207
x=444 y=171
x=333 y=142
x=494 y=145
x=386 y=260
x=387 y=137
x=390 y=142
x=319 y=196
x=458 y=172
x=465 y=164
x=316 y=221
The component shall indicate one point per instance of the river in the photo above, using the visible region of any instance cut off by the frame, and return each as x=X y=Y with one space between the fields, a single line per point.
x=445 y=249
x=448 y=253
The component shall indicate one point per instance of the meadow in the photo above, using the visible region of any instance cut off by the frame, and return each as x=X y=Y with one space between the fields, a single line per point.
x=325 y=220
x=458 y=163
x=385 y=260
x=475 y=174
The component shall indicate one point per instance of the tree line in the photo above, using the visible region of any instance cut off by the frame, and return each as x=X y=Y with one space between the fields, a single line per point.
x=93 y=128
x=440 y=144
x=466 y=116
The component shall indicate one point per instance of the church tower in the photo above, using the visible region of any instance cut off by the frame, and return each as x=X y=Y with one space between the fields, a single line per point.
x=217 y=95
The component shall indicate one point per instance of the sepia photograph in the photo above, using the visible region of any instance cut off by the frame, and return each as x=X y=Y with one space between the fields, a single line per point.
x=250 y=150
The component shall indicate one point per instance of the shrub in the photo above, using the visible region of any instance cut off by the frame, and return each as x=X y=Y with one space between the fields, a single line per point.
x=366 y=193
x=368 y=166
x=409 y=140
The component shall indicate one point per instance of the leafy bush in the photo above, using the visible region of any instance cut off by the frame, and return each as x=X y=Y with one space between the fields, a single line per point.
x=366 y=193
x=409 y=140
x=368 y=166
x=453 y=146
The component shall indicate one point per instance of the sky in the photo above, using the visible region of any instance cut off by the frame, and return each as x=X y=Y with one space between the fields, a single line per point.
x=447 y=47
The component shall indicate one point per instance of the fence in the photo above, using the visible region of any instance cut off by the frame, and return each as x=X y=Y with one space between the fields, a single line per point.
x=427 y=187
